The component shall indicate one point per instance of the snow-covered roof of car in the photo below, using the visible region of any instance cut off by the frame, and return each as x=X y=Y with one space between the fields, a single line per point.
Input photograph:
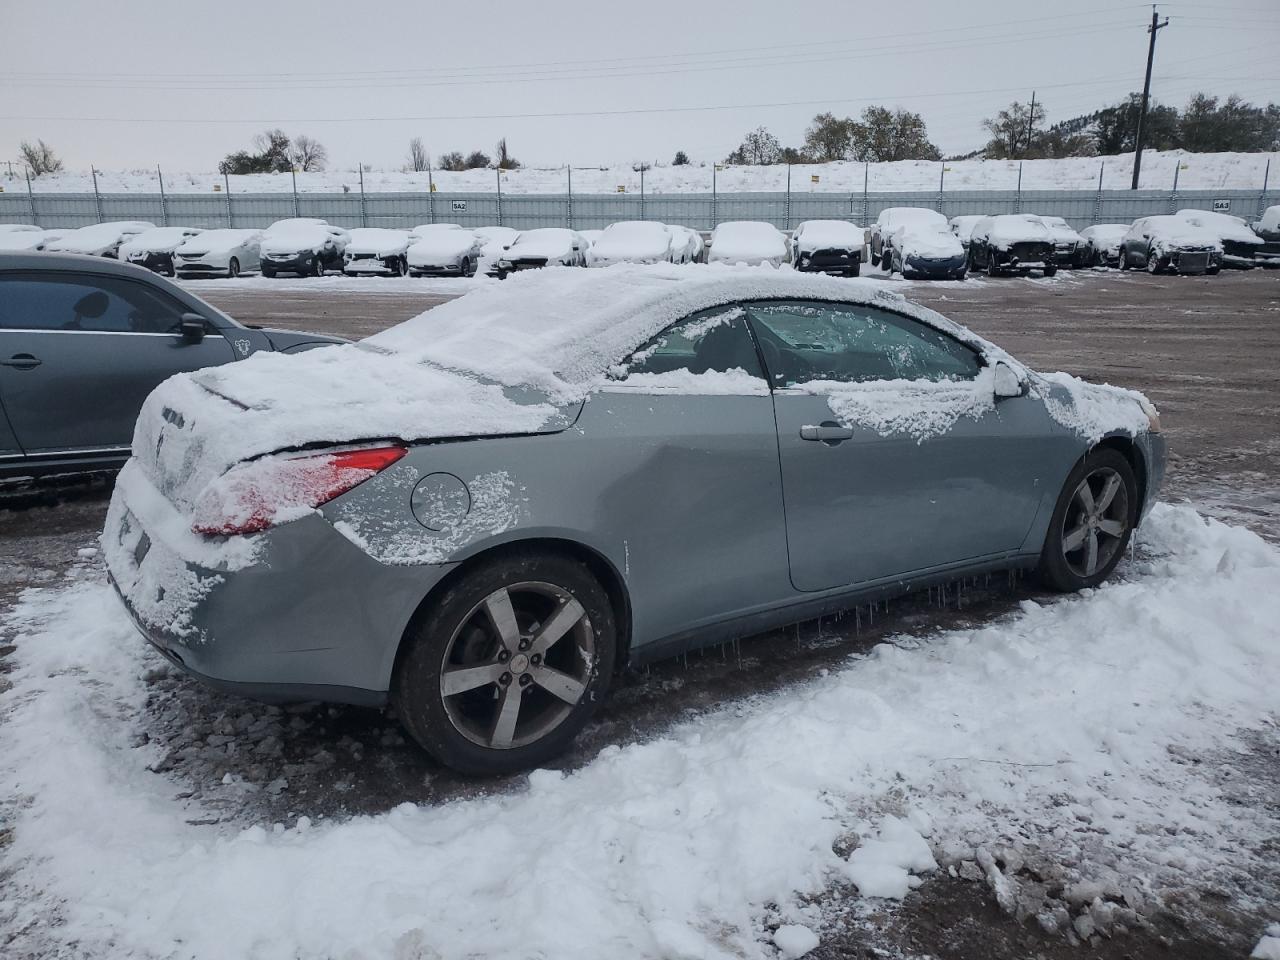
x=378 y=240
x=633 y=239
x=824 y=234
x=893 y=216
x=558 y=330
x=159 y=238
x=1224 y=225
x=22 y=240
x=296 y=237
x=222 y=239
x=1174 y=228
x=747 y=240
x=18 y=228
x=1011 y=228
x=100 y=234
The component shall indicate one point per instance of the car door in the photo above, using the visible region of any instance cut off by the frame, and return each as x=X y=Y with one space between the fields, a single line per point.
x=895 y=456
x=687 y=428
x=79 y=352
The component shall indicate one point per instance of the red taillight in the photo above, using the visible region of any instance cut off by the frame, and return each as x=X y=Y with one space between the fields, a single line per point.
x=262 y=493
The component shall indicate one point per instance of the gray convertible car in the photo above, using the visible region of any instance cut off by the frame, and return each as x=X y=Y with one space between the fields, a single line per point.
x=482 y=514
x=83 y=340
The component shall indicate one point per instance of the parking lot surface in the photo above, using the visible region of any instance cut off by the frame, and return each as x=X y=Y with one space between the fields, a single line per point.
x=1205 y=350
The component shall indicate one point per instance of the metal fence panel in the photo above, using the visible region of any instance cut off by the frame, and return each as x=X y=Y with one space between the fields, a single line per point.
x=701 y=211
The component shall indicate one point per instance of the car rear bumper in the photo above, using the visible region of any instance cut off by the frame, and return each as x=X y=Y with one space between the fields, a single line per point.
x=309 y=616
x=436 y=269
x=369 y=264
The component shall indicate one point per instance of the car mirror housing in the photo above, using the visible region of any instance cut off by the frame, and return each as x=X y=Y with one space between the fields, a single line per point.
x=192 y=327
x=1007 y=382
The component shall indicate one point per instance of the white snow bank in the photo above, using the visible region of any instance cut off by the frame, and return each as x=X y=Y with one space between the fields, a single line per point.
x=1196 y=171
x=794 y=940
x=1268 y=947
x=883 y=864
x=1070 y=725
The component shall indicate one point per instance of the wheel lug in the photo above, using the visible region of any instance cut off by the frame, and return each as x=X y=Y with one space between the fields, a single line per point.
x=525 y=644
x=505 y=679
x=536 y=659
x=525 y=679
x=503 y=656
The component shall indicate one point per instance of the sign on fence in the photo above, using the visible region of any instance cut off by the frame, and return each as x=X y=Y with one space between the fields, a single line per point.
x=459 y=206
x=1221 y=206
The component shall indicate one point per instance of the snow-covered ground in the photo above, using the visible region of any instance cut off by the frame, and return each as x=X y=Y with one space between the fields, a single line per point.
x=1196 y=171
x=1089 y=758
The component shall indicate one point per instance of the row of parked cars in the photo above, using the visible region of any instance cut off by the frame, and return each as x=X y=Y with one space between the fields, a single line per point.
x=917 y=242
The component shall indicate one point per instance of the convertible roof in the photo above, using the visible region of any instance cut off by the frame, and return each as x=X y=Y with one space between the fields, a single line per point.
x=558 y=330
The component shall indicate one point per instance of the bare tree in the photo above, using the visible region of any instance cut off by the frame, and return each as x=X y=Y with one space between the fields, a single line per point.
x=503 y=159
x=453 y=161
x=39 y=156
x=1013 y=131
x=308 y=154
x=476 y=160
x=757 y=147
x=419 y=159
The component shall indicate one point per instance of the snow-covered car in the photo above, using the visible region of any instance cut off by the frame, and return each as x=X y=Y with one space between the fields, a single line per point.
x=376 y=250
x=750 y=242
x=1170 y=243
x=219 y=253
x=828 y=246
x=1011 y=243
x=1102 y=244
x=302 y=247
x=444 y=250
x=19 y=228
x=493 y=241
x=154 y=248
x=928 y=251
x=1267 y=227
x=633 y=241
x=657 y=458
x=1240 y=245
x=100 y=239
x=963 y=225
x=891 y=218
x=23 y=240
x=544 y=247
x=1067 y=243
x=688 y=243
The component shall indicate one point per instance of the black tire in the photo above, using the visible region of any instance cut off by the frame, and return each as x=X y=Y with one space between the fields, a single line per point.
x=1057 y=569
x=233 y=268
x=993 y=268
x=317 y=266
x=886 y=260
x=1124 y=259
x=856 y=268
x=1154 y=266
x=402 y=267
x=1051 y=270
x=1214 y=271
x=456 y=631
x=875 y=258
x=465 y=267
x=268 y=271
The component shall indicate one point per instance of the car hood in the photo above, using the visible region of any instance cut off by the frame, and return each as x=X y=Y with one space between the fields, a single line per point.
x=196 y=426
x=550 y=248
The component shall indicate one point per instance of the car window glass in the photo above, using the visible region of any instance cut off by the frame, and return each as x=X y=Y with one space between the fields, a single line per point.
x=805 y=341
x=102 y=304
x=710 y=341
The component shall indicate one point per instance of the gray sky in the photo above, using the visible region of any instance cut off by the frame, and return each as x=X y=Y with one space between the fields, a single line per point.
x=130 y=84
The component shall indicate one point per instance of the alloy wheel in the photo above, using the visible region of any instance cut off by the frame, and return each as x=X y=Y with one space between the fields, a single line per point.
x=517 y=665
x=1096 y=521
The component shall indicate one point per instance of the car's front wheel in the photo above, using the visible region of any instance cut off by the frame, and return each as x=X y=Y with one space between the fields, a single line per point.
x=1092 y=522
x=507 y=666
x=233 y=268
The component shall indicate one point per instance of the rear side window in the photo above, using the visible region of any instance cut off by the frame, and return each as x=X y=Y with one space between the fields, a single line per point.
x=710 y=341
x=87 y=303
x=807 y=341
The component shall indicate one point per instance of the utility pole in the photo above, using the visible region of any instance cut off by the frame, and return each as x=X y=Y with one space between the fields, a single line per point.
x=1031 y=121
x=1156 y=26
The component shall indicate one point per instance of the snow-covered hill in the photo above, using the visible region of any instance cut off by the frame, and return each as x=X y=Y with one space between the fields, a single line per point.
x=1205 y=171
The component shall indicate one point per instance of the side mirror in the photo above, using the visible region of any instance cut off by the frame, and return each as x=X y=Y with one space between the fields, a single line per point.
x=192 y=328
x=1007 y=383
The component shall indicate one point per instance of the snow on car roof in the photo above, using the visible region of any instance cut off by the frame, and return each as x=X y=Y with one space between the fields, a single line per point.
x=927 y=240
x=1171 y=227
x=1224 y=225
x=219 y=240
x=819 y=234
x=559 y=330
x=378 y=240
x=18 y=228
x=892 y=216
x=159 y=238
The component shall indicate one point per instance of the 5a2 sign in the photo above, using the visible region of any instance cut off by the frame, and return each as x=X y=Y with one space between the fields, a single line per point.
x=459 y=206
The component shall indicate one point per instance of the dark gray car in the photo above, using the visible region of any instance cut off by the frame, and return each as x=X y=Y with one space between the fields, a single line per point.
x=481 y=514
x=83 y=340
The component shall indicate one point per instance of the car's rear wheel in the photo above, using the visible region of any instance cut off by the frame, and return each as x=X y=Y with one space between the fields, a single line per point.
x=1092 y=522
x=317 y=266
x=268 y=271
x=233 y=268
x=993 y=268
x=465 y=267
x=400 y=267
x=507 y=666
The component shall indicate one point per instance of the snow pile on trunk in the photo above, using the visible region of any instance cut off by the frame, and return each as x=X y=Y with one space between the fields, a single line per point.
x=378 y=241
x=1063 y=738
x=814 y=235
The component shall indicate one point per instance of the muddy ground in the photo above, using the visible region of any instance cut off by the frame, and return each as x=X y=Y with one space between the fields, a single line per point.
x=1207 y=351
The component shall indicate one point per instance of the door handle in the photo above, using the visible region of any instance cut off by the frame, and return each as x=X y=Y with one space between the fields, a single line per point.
x=21 y=361
x=827 y=432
